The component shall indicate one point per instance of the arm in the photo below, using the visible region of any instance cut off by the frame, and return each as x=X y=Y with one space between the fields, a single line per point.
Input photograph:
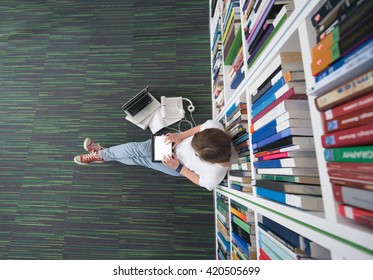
x=192 y=176
x=173 y=162
x=176 y=138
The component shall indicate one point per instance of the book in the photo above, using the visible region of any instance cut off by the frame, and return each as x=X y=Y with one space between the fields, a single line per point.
x=272 y=128
x=288 y=187
x=288 y=148
x=288 y=61
x=352 y=89
x=350 y=154
x=356 y=214
x=362 y=55
x=292 y=93
x=341 y=48
x=294 y=179
x=304 y=202
x=295 y=108
x=319 y=16
x=281 y=155
x=356 y=136
x=305 y=143
x=294 y=171
x=354 y=197
x=279 y=89
x=350 y=166
x=362 y=102
x=277 y=23
x=287 y=162
x=353 y=119
x=240 y=179
x=347 y=12
x=363 y=178
x=160 y=148
x=288 y=132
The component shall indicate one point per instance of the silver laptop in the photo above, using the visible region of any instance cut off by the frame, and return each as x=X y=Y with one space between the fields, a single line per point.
x=141 y=106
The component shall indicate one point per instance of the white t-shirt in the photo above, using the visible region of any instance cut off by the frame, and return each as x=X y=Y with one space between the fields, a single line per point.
x=210 y=174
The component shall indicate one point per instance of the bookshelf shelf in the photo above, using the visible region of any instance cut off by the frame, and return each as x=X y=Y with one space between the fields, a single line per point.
x=324 y=231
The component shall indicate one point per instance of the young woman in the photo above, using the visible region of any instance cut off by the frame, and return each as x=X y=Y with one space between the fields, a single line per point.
x=202 y=154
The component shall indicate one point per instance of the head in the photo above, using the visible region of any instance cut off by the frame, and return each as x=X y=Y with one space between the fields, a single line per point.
x=212 y=145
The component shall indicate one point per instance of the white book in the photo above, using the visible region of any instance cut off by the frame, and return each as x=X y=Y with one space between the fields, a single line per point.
x=296 y=162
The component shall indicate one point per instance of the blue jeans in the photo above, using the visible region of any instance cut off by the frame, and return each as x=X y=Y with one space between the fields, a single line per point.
x=136 y=153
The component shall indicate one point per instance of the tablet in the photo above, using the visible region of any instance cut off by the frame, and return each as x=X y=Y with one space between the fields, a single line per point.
x=160 y=148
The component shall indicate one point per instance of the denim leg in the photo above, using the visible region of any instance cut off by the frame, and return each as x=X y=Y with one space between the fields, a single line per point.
x=136 y=153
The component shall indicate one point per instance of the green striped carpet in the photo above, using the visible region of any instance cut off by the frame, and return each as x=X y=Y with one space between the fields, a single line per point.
x=66 y=67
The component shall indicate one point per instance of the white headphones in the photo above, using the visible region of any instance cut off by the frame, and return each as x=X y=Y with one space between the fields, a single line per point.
x=191 y=107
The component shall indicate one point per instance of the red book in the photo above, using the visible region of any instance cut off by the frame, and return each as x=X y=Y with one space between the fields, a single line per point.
x=353 y=197
x=357 y=118
x=356 y=214
x=348 y=107
x=263 y=255
x=350 y=166
x=356 y=136
x=364 y=178
x=351 y=184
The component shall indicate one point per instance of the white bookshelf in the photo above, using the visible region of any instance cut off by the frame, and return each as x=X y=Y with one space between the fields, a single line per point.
x=344 y=238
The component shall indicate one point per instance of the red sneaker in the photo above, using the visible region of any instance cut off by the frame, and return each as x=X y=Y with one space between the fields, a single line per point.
x=91 y=146
x=88 y=158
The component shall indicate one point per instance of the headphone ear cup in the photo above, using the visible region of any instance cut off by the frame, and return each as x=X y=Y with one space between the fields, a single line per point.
x=191 y=108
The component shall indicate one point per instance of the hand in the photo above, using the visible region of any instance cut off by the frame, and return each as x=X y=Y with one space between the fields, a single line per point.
x=173 y=138
x=171 y=161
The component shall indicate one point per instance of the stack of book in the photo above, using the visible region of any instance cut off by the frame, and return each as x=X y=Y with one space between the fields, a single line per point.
x=217 y=68
x=282 y=138
x=222 y=222
x=232 y=42
x=237 y=127
x=243 y=232
x=277 y=242
x=344 y=31
x=347 y=114
x=261 y=21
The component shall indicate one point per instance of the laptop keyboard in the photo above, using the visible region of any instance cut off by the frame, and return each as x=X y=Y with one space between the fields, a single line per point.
x=141 y=104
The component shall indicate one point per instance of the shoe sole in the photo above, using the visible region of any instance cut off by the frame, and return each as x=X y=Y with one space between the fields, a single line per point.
x=84 y=163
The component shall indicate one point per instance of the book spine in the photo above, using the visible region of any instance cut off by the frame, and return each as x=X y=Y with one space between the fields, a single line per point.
x=348 y=107
x=354 y=88
x=350 y=166
x=357 y=214
x=323 y=12
x=361 y=135
x=353 y=119
x=350 y=154
x=355 y=197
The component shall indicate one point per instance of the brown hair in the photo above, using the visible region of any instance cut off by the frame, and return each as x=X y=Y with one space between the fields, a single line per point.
x=212 y=145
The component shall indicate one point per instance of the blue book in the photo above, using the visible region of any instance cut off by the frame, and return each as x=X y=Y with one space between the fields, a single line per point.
x=240 y=243
x=268 y=164
x=272 y=195
x=240 y=75
x=361 y=53
x=225 y=243
x=280 y=135
x=272 y=255
x=290 y=236
x=275 y=247
x=269 y=95
x=263 y=135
